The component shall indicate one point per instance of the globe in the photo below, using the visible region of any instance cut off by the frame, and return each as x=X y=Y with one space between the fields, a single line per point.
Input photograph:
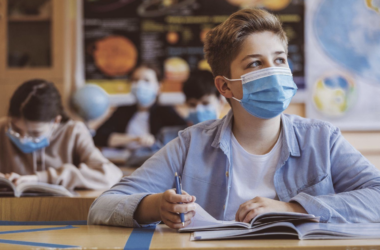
x=90 y=102
x=349 y=32
x=334 y=95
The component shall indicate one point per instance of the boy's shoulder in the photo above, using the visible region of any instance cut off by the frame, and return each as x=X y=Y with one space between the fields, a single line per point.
x=301 y=123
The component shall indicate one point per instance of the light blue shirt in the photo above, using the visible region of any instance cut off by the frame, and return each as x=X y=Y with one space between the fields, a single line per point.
x=318 y=169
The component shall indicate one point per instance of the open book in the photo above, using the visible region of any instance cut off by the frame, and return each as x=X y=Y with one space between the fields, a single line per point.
x=7 y=188
x=273 y=225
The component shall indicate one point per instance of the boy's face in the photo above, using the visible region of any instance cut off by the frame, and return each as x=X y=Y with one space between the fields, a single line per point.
x=147 y=75
x=32 y=128
x=206 y=100
x=258 y=51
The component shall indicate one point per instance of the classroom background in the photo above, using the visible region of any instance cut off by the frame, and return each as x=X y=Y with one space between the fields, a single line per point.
x=334 y=52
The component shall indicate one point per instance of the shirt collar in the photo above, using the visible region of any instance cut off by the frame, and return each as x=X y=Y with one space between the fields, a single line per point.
x=224 y=130
x=290 y=136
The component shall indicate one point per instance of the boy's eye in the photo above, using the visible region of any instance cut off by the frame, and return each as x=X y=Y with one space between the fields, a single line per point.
x=280 y=61
x=255 y=64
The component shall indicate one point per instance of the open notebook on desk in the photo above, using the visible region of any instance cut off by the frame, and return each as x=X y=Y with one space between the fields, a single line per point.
x=203 y=221
x=7 y=188
x=292 y=225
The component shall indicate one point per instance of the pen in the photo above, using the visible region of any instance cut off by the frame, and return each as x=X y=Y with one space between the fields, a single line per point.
x=179 y=191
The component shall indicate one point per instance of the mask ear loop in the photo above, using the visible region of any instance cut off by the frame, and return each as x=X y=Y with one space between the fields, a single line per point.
x=233 y=80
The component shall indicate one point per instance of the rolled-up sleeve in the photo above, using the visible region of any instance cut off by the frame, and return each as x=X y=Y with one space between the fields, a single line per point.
x=117 y=206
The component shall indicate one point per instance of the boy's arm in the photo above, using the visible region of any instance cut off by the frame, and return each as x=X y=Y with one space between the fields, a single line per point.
x=356 y=183
x=117 y=206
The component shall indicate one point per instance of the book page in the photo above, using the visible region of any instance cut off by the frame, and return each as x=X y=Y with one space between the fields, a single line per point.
x=272 y=217
x=7 y=188
x=38 y=187
x=203 y=220
x=280 y=228
x=339 y=230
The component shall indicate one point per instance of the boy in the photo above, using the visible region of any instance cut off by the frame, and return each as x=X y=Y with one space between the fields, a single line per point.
x=254 y=160
x=202 y=97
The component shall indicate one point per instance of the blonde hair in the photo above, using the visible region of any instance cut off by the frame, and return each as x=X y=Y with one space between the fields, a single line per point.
x=223 y=42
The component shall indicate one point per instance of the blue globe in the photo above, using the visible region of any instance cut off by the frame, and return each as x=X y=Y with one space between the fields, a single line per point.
x=90 y=102
x=349 y=32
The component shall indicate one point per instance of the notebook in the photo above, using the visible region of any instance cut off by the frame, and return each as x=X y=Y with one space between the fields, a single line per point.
x=276 y=225
x=7 y=188
x=204 y=221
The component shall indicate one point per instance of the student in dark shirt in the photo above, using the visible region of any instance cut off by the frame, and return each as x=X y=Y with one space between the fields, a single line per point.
x=202 y=98
x=137 y=125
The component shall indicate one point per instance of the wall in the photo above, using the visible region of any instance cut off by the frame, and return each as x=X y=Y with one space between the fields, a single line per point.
x=368 y=143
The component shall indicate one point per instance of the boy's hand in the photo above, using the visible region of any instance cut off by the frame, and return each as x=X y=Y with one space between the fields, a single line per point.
x=169 y=208
x=259 y=205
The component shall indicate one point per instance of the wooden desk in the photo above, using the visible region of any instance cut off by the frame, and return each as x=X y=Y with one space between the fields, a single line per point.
x=26 y=209
x=103 y=237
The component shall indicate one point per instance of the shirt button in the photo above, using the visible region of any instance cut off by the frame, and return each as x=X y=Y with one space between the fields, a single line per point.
x=227 y=174
x=224 y=207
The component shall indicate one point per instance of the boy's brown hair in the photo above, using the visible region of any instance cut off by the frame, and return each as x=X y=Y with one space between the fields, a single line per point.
x=223 y=42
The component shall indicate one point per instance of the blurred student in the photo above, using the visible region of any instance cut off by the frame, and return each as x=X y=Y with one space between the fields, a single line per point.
x=39 y=143
x=137 y=125
x=203 y=99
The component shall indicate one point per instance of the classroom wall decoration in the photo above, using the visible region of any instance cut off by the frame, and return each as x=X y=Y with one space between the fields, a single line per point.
x=343 y=62
x=118 y=34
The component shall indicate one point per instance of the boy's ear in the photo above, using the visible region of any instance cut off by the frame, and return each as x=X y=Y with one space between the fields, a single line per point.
x=223 y=86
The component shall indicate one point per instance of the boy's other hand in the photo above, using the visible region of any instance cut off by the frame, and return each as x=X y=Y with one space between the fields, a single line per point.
x=169 y=208
x=259 y=205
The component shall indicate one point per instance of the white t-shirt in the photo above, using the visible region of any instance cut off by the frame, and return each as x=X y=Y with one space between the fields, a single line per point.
x=252 y=175
x=138 y=126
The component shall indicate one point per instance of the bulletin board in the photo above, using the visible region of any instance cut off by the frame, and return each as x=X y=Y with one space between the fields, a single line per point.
x=118 y=34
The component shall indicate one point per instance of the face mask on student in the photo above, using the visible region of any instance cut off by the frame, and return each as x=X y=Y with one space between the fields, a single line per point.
x=27 y=144
x=267 y=92
x=202 y=113
x=144 y=92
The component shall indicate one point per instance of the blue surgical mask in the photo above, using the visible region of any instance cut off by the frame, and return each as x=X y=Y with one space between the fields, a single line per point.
x=28 y=145
x=202 y=113
x=144 y=92
x=267 y=92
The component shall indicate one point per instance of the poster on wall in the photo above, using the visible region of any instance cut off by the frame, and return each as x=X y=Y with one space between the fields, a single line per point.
x=120 y=34
x=343 y=62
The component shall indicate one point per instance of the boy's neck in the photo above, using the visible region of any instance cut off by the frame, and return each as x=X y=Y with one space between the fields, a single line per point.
x=257 y=136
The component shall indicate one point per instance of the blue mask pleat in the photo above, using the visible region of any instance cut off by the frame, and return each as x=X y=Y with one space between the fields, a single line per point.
x=28 y=146
x=269 y=96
